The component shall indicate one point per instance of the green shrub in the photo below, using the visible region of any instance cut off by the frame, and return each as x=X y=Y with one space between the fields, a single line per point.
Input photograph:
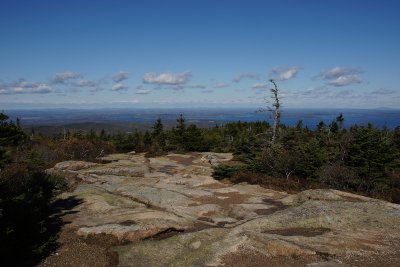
x=226 y=171
x=25 y=199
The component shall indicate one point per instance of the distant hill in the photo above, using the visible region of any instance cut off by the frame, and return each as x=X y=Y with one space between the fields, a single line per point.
x=50 y=121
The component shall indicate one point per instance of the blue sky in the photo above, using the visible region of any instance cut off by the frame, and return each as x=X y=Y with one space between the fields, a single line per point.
x=91 y=54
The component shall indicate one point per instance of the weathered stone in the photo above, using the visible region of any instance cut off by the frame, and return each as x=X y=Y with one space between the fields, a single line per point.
x=176 y=214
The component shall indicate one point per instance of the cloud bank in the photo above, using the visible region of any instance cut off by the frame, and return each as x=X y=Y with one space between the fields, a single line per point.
x=120 y=76
x=259 y=86
x=284 y=74
x=65 y=76
x=119 y=87
x=143 y=92
x=341 y=76
x=221 y=85
x=167 y=78
x=24 y=87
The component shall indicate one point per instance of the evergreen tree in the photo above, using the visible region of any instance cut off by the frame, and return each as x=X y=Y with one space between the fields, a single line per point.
x=103 y=134
x=179 y=133
x=10 y=133
x=193 y=139
x=158 y=128
x=370 y=151
x=147 y=139
x=158 y=135
x=312 y=156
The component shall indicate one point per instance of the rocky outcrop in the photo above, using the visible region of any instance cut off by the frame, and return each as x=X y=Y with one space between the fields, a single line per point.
x=169 y=211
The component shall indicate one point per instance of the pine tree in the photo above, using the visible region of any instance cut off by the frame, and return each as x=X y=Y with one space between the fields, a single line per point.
x=158 y=128
x=147 y=139
x=370 y=151
x=179 y=133
x=158 y=135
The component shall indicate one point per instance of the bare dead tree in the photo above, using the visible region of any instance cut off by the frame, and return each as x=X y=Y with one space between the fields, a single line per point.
x=276 y=110
x=275 y=113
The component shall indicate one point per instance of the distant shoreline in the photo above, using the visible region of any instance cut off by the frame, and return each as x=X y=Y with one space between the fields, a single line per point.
x=203 y=117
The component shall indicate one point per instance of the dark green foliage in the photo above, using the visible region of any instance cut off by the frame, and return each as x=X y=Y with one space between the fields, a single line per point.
x=372 y=155
x=10 y=133
x=5 y=156
x=25 y=199
x=147 y=140
x=312 y=156
x=395 y=138
x=226 y=171
x=177 y=137
x=363 y=159
x=158 y=135
x=193 y=139
x=125 y=142
x=278 y=161
x=158 y=128
x=370 y=151
x=25 y=196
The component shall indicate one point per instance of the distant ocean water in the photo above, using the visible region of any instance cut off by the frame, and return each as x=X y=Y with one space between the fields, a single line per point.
x=203 y=116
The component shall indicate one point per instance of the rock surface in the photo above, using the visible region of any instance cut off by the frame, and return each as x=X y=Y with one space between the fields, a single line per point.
x=169 y=211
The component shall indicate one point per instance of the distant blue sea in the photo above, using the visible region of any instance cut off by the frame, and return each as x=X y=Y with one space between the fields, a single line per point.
x=204 y=116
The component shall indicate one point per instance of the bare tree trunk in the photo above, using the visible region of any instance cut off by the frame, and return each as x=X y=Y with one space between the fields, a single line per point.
x=276 y=110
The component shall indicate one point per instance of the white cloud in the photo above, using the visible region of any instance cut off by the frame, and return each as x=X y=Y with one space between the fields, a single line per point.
x=85 y=83
x=119 y=87
x=221 y=85
x=338 y=72
x=92 y=86
x=24 y=87
x=167 y=78
x=259 y=86
x=341 y=76
x=239 y=77
x=284 y=74
x=120 y=76
x=67 y=75
x=345 y=80
x=143 y=92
